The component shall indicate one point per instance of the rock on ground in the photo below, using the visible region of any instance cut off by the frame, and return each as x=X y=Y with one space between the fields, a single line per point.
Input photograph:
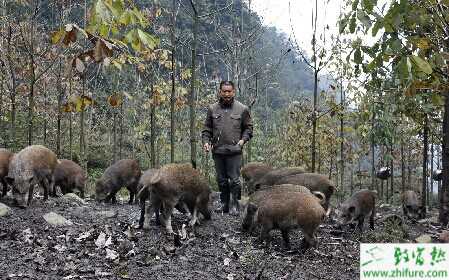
x=71 y=197
x=55 y=219
x=4 y=210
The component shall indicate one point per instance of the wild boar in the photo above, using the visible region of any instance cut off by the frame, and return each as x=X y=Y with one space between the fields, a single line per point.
x=173 y=184
x=359 y=206
x=32 y=165
x=411 y=205
x=273 y=176
x=261 y=195
x=185 y=205
x=5 y=158
x=253 y=171
x=312 y=181
x=288 y=211
x=68 y=175
x=123 y=173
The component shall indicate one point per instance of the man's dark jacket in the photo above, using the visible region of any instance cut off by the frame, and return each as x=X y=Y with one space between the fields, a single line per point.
x=225 y=125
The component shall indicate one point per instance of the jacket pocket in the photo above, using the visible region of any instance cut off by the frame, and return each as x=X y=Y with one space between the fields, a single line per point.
x=236 y=121
x=216 y=120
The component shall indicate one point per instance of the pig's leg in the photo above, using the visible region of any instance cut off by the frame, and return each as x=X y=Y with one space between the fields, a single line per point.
x=131 y=194
x=194 y=218
x=5 y=187
x=131 y=197
x=45 y=184
x=168 y=210
x=371 y=219
x=360 y=224
x=153 y=207
x=142 y=211
x=265 y=235
x=185 y=209
x=30 y=194
x=286 y=238
x=308 y=241
x=51 y=184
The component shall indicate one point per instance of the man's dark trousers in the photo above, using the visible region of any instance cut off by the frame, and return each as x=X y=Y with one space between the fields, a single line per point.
x=227 y=168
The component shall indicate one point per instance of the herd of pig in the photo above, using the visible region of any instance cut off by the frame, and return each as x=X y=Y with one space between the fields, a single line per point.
x=279 y=198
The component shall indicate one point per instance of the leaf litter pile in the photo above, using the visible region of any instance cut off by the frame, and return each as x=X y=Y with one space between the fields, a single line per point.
x=100 y=241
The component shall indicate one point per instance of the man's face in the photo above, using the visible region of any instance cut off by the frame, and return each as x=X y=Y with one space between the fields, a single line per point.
x=227 y=93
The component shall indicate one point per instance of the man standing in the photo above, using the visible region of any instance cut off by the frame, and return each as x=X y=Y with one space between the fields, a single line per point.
x=226 y=129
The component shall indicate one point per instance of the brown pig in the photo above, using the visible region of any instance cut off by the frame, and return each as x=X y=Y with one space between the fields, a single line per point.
x=411 y=205
x=288 y=211
x=32 y=165
x=173 y=184
x=123 y=173
x=185 y=205
x=68 y=176
x=359 y=206
x=5 y=158
x=261 y=195
x=253 y=171
x=273 y=176
x=312 y=181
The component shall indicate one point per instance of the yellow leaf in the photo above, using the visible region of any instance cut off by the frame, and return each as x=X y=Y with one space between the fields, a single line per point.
x=57 y=36
x=115 y=100
x=158 y=12
x=410 y=90
x=423 y=43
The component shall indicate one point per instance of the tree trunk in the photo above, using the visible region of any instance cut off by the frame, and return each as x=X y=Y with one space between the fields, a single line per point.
x=153 y=129
x=59 y=117
x=30 y=113
x=402 y=166
x=114 y=135
x=392 y=173
x=192 y=89
x=120 y=140
x=342 y=156
x=71 y=135
x=444 y=198
x=373 y=159
x=315 y=88
x=173 y=72
x=424 y=191
x=409 y=167
x=431 y=189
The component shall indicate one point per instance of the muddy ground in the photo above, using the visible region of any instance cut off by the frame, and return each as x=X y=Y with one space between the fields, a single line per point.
x=102 y=244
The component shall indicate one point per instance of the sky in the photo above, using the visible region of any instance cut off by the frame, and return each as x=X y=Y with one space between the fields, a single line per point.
x=276 y=13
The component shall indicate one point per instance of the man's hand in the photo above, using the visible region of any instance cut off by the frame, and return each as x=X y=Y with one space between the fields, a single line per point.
x=241 y=142
x=206 y=147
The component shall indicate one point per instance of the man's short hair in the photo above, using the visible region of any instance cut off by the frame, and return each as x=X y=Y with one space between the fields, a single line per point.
x=227 y=83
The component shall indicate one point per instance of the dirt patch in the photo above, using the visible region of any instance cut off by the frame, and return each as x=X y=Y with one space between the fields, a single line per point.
x=32 y=249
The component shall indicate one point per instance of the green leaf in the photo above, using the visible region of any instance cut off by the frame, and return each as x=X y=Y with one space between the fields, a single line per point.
x=437 y=99
x=115 y=6
x=352 y=24
x=102 y=11
x=140 y=17
x=104 y=30
x=125 y=18
x=358 y=56
x=402 y=69
x=364 y=19
x=355 y=4
x=368 y=5
x=377 y=25
x=423 y=65
x=343 y=23
x=148 y=40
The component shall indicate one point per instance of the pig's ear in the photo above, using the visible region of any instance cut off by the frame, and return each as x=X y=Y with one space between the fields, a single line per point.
x=9 y=180
x=351 y=209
